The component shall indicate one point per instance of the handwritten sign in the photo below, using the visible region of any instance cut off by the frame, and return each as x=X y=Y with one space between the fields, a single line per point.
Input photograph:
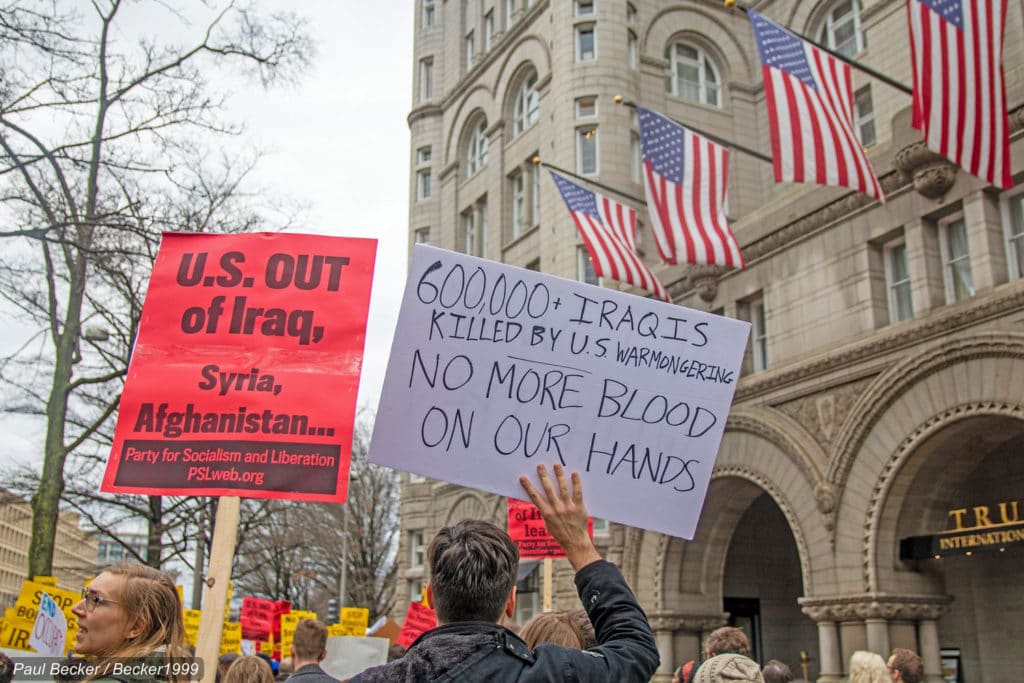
x=495 y=369
x=243 y=378
x=527 y=529
x=355 y=620
x=418 y=620
x=49 y=629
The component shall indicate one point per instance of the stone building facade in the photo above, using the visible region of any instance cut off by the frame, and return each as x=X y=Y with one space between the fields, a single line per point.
x=74 y=554
x=882 y=398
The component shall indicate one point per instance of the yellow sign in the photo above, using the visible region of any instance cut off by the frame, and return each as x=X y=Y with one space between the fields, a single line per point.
x=46 y=580
x=25 y=607
x=231 y=638
x=192 y=617
x=14 y=634
x=355 y=620
x=335 y=630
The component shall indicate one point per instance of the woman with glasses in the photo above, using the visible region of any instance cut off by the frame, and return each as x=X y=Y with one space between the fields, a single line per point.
x=132 y=612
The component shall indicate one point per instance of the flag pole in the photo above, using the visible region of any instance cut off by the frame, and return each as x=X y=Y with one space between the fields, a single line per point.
x=607 y=188
x=714 y=138
x=852 y=62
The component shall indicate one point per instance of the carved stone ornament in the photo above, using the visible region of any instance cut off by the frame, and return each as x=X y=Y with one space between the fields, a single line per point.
x=704 y=279
x=932 y=173
x=876 y=606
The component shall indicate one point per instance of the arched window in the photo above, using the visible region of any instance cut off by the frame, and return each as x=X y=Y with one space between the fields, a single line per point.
x=693 y=75
x=527 y=104
x=841 y=30
x=476 y=149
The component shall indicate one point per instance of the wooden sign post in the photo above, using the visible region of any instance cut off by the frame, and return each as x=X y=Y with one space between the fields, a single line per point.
x=215 y=593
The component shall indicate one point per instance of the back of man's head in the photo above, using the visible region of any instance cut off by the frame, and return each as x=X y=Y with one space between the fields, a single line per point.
x=310 y=640
x=908 y=664
x=776 y=672
x=473 y=568
x=727 y=639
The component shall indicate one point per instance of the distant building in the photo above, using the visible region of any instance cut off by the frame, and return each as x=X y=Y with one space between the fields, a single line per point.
x=113 y=551
x=868 y=489
x=74 y=555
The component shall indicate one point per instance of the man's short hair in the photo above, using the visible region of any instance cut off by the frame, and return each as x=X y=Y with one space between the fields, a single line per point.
x=908 y=664
x=776 y=672
x=310 y=639
x=727 y=639
x=473 y=568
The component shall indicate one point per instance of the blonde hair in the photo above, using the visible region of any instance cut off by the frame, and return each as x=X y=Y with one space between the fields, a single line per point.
x=149 y=599
x=868 y=667
x=249 y=669
x=552 y=628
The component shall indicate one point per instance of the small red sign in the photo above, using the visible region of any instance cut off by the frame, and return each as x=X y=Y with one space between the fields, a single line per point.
x=244 y=375
x=528 y=531
x=418 y=620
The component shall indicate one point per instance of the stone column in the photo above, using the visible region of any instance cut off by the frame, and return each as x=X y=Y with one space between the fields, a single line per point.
x=878 y=636
x=830 y=657
x=664 y=639
x=668 y=626
x=986 y=241
x=928 y=637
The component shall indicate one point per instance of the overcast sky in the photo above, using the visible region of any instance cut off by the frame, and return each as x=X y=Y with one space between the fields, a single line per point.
x=338 y=142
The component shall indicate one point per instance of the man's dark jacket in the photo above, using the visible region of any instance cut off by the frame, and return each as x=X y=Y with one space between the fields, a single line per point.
x=479 y=651
x=311 y=673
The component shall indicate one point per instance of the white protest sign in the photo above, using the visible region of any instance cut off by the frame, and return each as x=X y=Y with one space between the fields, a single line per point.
x=348 y=655
x=50 y=629
x=495 y=369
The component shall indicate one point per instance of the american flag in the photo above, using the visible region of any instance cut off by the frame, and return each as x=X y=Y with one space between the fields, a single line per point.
x=810 y=112
x=684 y=179
x=956 y=49
x=609 y=233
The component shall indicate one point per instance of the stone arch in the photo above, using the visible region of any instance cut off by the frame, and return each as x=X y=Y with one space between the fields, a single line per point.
x=949 y=382
x=528 y=50
x=712 y=32
x=468 y=505
x=478 y=100
x=510 y=89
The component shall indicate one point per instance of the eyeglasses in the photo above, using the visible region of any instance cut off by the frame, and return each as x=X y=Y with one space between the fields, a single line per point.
x=94 y=600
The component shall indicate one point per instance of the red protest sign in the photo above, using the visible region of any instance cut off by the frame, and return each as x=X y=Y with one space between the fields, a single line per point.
x=527 y=530
x=244 y=375
x=418 y=620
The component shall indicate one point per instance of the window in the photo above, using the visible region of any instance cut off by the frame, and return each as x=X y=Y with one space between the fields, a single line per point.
x=897 y=282
x=527 y=591
x=428 y=13
x=423 y=184
x=841 y=29
x=470 y=50
x=752 y=310
x=635 y=158
x=421 y=236
x=416 y=478
x=474 y=229
x=693 y=75
x=631 y=49
x=586 y=107
x=423 y=155
x=510 y=12
x=534 y=173
x=488 y=30
x=586 y=150
x=417 y=551
x=864 y=116
x=517 y=190
x=415 y=590
x=476 y=150
x=956 y=260
x=600 y=526
x=586 y=43
x=527 y=104
x=584 y=267
x=1015 y=236
x=584 y=8
x=630 y=15
x=426 y=78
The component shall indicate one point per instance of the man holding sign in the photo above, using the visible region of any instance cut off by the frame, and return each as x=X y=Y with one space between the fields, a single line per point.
x=472 y=586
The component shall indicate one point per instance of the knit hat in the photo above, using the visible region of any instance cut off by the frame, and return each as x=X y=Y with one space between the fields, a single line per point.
x=729 y=667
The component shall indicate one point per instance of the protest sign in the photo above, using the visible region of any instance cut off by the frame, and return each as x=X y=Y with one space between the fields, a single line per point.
x=418 y=620
x=527 y=529
x=231 y=638
x=355 y=620
x=348 y=655
x=495 y=369
x=192 y=617
x=244 y=375
x=49 y=629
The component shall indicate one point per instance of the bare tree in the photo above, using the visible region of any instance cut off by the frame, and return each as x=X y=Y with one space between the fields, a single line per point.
x=105 y=142
x=298 y=553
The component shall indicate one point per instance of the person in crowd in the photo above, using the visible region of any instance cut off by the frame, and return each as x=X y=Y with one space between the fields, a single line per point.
x=905 y=665
x=309 y=647
x=729 y=668
x=776 y=672
x=224 y=663
x=552 y=628
x=586 y=628
x=867 y=667
x=249 y=669
x=6 y=668
x=395 y=651
x=684 y=674
x=727 y=639
x=285 y=668
x=131 y=611
x=472 y=585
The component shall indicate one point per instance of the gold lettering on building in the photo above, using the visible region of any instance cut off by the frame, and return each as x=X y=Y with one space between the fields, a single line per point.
x=981 y=517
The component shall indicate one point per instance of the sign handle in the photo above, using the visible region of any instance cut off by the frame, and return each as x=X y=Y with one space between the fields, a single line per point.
x=546 y=589
x=215 y=593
